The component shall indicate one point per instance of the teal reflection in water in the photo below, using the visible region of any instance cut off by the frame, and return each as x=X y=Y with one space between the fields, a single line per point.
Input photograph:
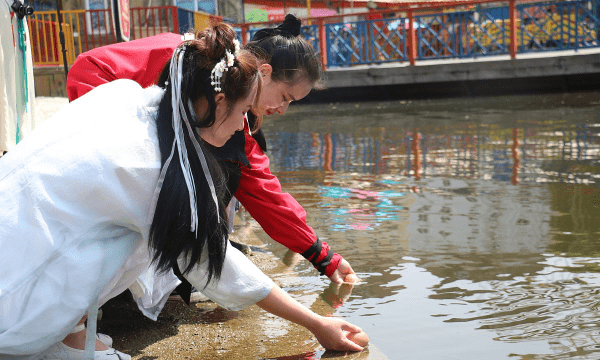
x=473 y=223
x=348 y=217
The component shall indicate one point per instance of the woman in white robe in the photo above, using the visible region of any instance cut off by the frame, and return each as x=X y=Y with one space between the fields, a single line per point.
x=79 y=195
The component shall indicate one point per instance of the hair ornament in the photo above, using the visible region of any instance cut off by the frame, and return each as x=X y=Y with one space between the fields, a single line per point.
x=180 y=118
x=236 y=47
x=217 y=72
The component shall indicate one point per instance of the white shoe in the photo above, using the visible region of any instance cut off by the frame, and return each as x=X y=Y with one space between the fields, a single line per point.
x=105 y=339
x=60 y=351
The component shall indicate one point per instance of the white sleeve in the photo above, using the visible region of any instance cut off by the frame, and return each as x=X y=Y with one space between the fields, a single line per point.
x=241 y=284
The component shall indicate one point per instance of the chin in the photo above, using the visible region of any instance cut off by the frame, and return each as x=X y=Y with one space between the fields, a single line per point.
x=214 y=142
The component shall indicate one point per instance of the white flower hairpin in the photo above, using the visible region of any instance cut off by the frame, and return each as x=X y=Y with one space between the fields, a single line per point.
x=236 y=45
x=226 y=62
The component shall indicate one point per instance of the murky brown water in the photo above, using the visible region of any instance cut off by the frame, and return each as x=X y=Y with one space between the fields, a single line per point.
x=475 y=224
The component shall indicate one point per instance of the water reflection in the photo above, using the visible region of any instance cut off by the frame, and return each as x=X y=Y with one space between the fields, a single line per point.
x=473 y=223
x=539 y=154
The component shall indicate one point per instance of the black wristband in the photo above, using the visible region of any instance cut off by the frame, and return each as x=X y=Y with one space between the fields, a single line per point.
x=313 y=253
x=315 y=248
x=322 y=266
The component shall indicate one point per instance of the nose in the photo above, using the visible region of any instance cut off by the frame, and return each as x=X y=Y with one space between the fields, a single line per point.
x=283 y=107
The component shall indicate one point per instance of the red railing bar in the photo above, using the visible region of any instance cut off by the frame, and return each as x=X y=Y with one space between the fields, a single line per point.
x=412 y=39
x=513 y=29
x=322 y=44
x=244 y=34
x=175 y=20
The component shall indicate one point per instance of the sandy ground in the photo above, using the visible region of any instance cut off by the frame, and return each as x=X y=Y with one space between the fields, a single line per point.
x=204 y=330
x=48 y=106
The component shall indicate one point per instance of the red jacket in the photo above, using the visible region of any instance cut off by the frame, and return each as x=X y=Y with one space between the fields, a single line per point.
x=259 y=191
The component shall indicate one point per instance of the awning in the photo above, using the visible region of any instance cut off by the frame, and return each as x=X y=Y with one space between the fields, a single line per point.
x=334 y=4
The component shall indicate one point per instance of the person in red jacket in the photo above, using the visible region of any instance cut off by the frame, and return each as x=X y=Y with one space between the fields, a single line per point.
x=290 y=69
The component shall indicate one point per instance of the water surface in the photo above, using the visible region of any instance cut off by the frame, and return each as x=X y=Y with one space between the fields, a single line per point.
x=474 y=223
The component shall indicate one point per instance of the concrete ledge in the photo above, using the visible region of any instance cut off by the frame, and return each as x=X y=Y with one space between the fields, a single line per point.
x=50 y=81
x=492 y=68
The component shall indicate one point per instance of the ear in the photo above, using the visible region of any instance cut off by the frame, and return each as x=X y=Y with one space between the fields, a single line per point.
x=221 y=105
x=265 y=71
x=220 y=99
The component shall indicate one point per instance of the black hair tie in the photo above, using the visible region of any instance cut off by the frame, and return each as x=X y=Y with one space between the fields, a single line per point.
x=290 y=28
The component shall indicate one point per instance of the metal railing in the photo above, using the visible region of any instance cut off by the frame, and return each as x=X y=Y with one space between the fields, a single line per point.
x=472 y=29
x=88 y=29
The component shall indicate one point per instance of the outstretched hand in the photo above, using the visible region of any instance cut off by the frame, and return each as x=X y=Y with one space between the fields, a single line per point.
x=332 y=334
x=340 y=275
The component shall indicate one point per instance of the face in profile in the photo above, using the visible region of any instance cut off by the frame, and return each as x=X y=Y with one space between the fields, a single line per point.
x=276 y=96
x=229 y=118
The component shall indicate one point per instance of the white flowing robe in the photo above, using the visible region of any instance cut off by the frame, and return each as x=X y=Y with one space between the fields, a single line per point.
x=12 y=89
x=75 y=199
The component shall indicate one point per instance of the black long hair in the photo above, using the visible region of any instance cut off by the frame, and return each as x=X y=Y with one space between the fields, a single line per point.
x=170 y=235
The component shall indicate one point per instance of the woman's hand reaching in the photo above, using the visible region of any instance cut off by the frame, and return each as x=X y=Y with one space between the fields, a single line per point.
x=333 y=334
x=344 y=273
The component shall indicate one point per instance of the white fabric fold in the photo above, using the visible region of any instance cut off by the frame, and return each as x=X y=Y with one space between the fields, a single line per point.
x=241 y=283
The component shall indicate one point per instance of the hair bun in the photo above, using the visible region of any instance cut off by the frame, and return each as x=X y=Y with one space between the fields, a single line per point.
x=291 y=24
x=290 y=28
